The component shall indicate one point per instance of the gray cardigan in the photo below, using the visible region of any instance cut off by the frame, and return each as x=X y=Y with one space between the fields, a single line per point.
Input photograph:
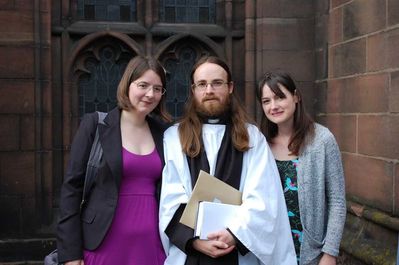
x=321 y=195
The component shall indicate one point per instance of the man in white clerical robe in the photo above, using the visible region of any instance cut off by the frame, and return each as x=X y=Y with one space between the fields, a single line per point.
x=215 y=136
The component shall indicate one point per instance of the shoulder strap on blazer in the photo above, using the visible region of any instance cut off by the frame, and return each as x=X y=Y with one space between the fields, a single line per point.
x=93 y=163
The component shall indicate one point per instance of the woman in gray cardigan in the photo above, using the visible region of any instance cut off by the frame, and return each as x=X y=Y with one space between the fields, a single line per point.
x=310 y=167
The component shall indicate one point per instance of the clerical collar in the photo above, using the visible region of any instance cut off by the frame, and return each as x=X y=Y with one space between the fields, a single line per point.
x=213 y=121
x=222 y=119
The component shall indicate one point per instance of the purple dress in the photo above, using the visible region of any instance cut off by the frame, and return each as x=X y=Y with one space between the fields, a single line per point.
x=133 y=238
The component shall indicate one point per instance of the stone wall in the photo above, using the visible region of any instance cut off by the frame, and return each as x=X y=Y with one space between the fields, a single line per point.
x=358 y=101
x=24 y=105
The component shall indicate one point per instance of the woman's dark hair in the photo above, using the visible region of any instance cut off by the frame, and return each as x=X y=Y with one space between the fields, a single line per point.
x=134 y=70
x=303 y=123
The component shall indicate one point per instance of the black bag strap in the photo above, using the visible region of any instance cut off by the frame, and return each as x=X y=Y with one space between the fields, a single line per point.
x=94 y=161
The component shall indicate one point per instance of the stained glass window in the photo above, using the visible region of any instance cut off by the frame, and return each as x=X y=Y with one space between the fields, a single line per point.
x=97 y=88
x=187 y=11
x=107 y=10
x=178 y=80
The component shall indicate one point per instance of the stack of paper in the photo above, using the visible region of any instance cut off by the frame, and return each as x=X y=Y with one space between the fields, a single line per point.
x=213 y=216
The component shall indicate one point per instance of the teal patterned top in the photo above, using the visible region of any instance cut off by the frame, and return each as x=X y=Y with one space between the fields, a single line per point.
x=288 y=174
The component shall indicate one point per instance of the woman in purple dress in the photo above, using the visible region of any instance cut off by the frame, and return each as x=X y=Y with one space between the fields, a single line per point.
x=119 y=222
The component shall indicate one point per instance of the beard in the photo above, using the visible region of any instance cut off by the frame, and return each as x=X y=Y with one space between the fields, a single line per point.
x=211 y=106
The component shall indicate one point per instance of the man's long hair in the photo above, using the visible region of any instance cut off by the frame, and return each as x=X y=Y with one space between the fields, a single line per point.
x=190 y=127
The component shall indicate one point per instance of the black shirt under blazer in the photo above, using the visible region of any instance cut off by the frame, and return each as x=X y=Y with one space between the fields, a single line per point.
x=78 y=230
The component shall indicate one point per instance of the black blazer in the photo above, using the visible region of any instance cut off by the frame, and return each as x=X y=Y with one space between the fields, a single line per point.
x=78 y=230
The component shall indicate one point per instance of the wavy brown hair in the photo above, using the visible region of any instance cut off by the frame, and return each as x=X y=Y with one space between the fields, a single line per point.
x=190 y=127
x=134 y=70
x=303 y=123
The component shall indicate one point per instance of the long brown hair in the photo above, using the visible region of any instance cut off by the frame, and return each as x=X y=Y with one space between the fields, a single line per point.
x=303 y=123
x=134 y=70
x=190 y=127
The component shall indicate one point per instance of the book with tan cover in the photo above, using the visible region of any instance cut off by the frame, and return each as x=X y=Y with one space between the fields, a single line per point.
x=211 y=189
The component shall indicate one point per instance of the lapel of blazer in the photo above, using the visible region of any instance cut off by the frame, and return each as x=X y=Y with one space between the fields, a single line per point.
x=111 y=142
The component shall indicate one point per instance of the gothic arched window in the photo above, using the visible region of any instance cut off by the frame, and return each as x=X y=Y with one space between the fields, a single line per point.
x=101 y=68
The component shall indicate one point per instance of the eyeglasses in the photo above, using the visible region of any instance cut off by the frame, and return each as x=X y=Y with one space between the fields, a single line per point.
x=145 y=87
x=216 y=84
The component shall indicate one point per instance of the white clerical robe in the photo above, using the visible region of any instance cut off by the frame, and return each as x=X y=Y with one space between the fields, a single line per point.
x=262 y=225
